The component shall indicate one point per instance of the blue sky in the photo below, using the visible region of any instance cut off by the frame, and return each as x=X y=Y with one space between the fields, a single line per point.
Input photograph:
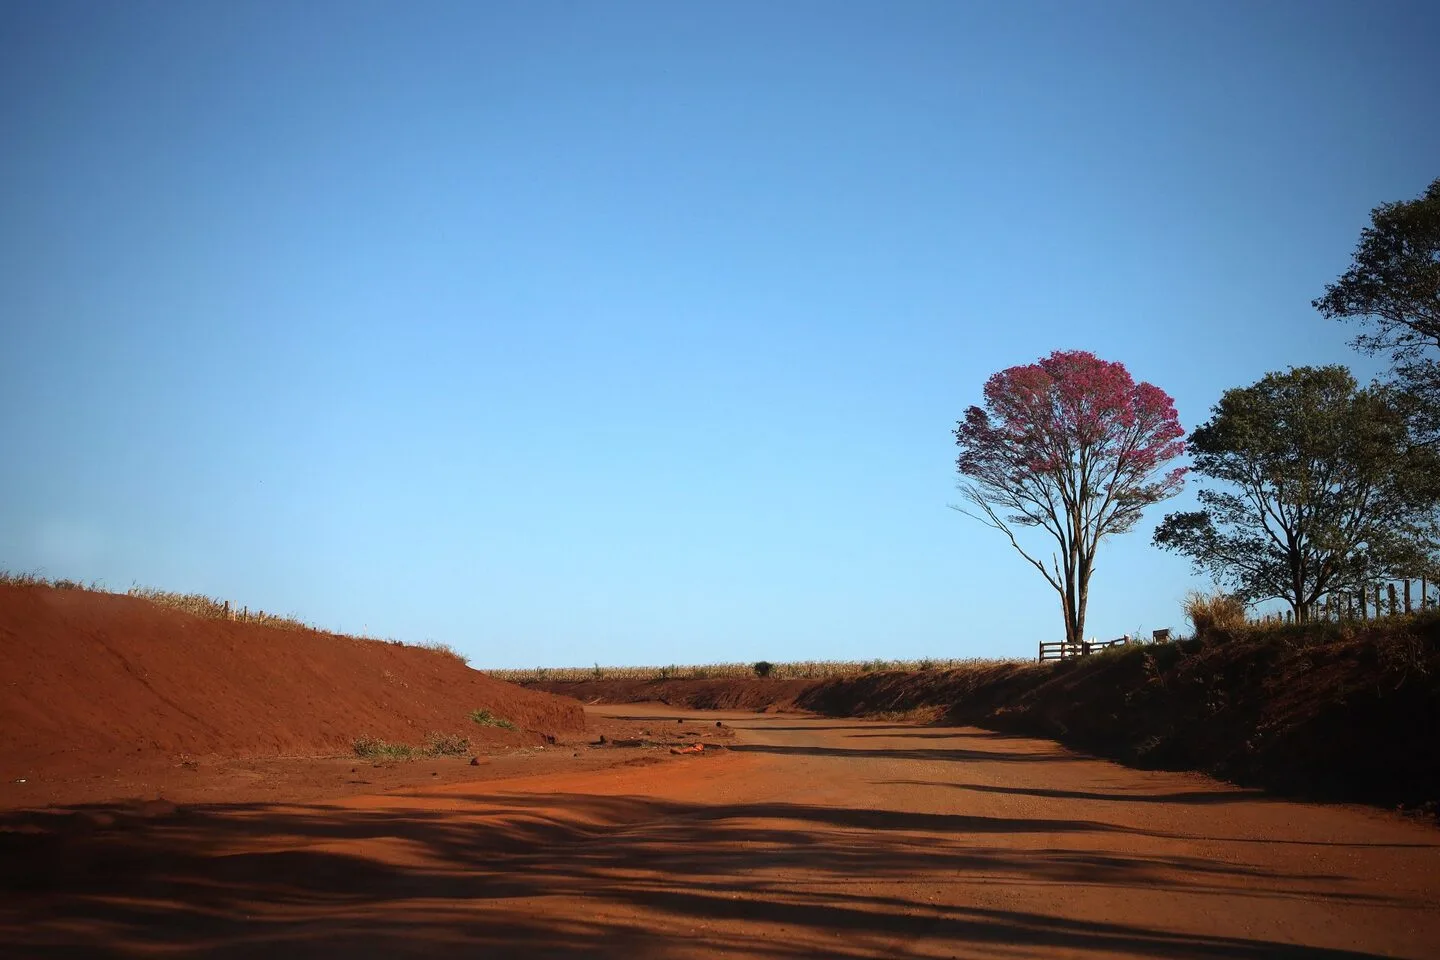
x=635 y=333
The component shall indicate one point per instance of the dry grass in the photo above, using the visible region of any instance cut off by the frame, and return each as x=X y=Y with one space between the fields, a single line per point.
x=1216 y=611
x=796 y=670
x=199 y=605
x=209 y=608
x=35 y=580
x=435 y=745
x=444 y=649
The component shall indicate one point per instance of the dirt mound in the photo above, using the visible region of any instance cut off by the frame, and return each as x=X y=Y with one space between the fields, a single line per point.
x=93 y=679
x=1326 y=712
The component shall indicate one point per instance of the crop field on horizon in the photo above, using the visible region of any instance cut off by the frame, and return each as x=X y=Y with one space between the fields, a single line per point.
x=793 y=670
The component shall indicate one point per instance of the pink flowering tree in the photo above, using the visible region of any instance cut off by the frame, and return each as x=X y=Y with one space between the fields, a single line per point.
x=1073 y=445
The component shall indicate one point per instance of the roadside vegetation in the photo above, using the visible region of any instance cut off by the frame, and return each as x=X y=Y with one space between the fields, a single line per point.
x=435 y=745
x=794 y=670
x=1339 y=710
x=1316 y=491
x=485 y=718
x=209 y=608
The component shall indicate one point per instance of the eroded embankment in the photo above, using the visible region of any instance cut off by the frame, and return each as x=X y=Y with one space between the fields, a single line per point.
x=91 y=679
x=1319 y=712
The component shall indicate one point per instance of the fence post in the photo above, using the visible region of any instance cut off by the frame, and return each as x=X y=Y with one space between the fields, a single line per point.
x=1390 y=594
x=1379 y=610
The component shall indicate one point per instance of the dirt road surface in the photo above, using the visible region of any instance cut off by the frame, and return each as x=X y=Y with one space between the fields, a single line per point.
x=808 y=838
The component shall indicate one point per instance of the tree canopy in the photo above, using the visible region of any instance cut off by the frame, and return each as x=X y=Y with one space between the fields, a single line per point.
x=1073 y=445
x=1394 y=279
x=1321 y=490
x=1393 y=289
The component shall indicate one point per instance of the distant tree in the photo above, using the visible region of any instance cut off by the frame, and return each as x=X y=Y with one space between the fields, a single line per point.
x=1073 y=445
x=1393 y=289
x=1325 y=493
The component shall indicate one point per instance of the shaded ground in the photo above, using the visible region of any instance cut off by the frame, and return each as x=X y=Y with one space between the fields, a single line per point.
x=1322 y=712
x=321 y=778
x=95 y=683
x=809 y=837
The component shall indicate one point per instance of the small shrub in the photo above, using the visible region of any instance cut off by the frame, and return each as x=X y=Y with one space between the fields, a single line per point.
x=435 y=745
x=1217 y=611
x=487 y=719
x=373 y=748
x=446 y=745
x=763 y=668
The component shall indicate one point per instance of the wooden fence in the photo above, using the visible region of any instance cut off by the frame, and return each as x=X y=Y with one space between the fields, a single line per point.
x=1372 y=603
x=1065 y=650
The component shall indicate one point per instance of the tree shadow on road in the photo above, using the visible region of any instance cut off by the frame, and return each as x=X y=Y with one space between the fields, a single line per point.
x=569 y=875
x=1193 y=797
x=958 y=754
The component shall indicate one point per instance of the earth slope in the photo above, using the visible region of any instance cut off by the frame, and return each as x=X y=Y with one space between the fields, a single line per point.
x=96 y=680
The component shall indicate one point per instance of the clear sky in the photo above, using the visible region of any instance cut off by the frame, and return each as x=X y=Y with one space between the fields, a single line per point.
x=635 y=333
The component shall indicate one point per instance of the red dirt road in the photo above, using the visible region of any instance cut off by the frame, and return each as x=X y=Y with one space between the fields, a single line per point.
x=809 y=838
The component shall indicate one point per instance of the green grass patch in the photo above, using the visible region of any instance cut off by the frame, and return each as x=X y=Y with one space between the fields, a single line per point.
x=487 y=719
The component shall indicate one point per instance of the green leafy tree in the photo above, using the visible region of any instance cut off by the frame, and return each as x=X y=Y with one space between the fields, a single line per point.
x=1393 y=289
x=1321 y=491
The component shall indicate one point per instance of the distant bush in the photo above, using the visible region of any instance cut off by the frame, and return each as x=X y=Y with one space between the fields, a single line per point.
x=763 y=668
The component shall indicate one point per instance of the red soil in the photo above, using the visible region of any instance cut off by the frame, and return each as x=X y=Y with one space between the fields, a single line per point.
x=808 y=837
x=1323 y=712
x=96 y=681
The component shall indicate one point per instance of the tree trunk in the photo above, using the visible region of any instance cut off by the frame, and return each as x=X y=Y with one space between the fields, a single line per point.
x=1070 y=635
x=1082 y=585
